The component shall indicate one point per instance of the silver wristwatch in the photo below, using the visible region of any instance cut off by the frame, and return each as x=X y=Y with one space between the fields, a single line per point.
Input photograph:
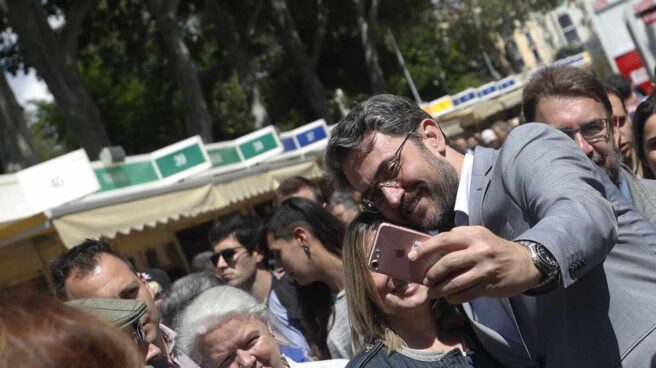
x=546 y=263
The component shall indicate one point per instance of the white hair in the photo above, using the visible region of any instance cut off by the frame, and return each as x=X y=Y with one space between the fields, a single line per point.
x=209 y=309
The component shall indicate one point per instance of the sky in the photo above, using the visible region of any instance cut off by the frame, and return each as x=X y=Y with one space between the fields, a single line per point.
x=26 y=87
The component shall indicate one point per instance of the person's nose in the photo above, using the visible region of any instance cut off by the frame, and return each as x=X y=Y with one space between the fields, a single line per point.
x=221 y=263
x=245 y=359
x=393 y=196
x=583 y=143
x=394 y=283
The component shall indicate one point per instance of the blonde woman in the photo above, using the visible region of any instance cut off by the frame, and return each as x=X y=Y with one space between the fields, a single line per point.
x=393 y=322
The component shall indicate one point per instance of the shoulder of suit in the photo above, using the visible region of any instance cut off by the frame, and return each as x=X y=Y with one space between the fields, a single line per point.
x=650 y=184
x=531 y=131
x=527 y=134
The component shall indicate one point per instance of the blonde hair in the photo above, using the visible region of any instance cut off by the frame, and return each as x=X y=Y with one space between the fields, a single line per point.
x=366 y=309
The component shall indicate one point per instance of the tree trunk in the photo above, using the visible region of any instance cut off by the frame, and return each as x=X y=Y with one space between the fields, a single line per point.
x=16 y=149
x=197 y=117
x=231 y=40
x=368 y=38
x=55 y=62
x=313 y=89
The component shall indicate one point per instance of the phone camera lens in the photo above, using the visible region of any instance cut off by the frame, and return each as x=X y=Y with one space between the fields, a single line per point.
x=374 y=264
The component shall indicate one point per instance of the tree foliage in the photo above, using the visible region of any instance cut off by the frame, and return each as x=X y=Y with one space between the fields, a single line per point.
x=264 y=61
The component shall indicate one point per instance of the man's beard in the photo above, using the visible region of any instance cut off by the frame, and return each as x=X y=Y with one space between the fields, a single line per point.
x=441 y=188
x=612 y=166
x=611 y=163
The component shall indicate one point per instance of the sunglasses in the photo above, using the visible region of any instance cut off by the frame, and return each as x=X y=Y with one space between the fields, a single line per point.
x=227 y=254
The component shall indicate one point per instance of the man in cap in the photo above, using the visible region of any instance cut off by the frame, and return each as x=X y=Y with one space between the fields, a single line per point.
x=122 y=313
x=93 y=270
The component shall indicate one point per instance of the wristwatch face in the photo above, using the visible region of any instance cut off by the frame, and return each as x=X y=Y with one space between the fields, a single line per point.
x=546 y=257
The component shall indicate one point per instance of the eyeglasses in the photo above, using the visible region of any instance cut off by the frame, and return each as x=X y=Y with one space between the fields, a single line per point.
x=227 y=254
x=373 y=199
x=592 y=131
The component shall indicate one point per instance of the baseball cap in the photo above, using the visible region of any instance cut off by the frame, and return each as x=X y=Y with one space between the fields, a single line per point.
x=119 y=312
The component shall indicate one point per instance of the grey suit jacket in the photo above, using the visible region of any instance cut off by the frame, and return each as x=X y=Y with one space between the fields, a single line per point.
x=643 y=193
x=539 y=186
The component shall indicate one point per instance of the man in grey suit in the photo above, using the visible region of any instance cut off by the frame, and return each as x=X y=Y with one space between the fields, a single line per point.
x=575 y=101
x=553 y=265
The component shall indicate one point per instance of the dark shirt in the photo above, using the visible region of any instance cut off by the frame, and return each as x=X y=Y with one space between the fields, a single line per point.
x=376 y=355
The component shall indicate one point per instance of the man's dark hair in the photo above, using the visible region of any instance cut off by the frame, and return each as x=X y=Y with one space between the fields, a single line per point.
x=621 y=83
x=612 y=90
x=82 y=258
x=297 y=211
x=245 y=228
x=562 y=81
x=388 y=114
x=290 y=186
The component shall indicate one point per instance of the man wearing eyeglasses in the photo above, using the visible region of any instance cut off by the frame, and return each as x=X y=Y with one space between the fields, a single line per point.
x=553 y=266
x=240 y=260
x=575 y=102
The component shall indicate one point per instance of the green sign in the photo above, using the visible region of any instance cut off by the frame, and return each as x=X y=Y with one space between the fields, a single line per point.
x=180 y=160
x=224 y=156
x=125 y=175
x=258 y=146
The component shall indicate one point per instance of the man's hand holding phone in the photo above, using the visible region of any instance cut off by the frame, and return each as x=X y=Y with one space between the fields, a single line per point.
x=474 y=262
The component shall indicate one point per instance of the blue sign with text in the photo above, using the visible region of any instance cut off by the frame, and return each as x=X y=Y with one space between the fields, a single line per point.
x=307 y=137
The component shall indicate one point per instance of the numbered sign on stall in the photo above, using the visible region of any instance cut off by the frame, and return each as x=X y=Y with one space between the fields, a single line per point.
x=57 y=181
x=312 y=135
x=182 y=159
x=259 y=145
x=288 y=141
x=224 y=156
x=126 y=174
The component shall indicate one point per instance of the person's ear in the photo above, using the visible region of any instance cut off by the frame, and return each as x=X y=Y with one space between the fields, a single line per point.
x=300 y=235
x=432 y=136
x=259 y=257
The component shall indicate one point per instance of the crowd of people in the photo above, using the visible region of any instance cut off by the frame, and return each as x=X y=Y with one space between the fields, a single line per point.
x=539 y=251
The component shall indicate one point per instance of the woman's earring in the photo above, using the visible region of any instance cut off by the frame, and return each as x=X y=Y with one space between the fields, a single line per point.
x=306 y=248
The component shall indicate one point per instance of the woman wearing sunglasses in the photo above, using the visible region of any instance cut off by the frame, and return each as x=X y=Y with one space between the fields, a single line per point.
x=306 y=240
x=391 y=319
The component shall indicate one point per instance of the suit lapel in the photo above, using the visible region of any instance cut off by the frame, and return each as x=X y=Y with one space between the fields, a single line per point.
x=481 y=171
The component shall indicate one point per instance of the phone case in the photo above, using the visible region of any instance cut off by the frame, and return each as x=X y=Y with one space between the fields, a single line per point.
x=389 y=254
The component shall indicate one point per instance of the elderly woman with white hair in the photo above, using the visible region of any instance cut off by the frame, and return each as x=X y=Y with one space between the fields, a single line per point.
x=225 y=327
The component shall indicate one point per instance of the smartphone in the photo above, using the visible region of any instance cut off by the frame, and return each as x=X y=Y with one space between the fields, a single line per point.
x=389 y=253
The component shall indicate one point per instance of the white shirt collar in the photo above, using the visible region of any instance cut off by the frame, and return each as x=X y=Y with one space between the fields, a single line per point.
x=462 y=197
